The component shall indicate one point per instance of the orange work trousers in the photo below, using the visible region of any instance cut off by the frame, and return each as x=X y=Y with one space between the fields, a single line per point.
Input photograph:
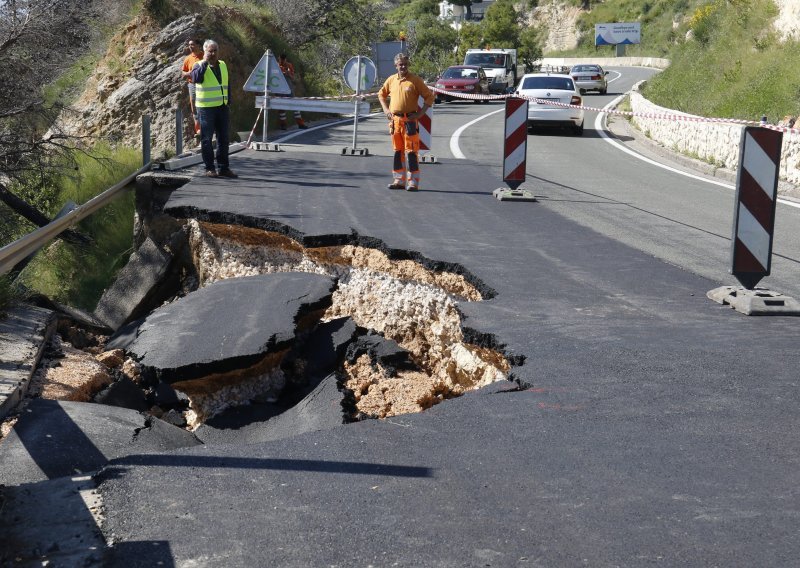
x=405 y=139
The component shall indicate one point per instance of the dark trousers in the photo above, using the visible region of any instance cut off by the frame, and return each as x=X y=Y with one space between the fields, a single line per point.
x=214 y=119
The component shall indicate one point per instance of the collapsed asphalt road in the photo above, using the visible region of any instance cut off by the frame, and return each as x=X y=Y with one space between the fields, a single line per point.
x=645 y=423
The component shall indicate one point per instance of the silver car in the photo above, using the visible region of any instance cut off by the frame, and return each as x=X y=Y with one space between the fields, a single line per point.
x=558 y=88
x=589 y=78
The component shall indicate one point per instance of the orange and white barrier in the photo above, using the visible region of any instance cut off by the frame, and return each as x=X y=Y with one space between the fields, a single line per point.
x=425 y=125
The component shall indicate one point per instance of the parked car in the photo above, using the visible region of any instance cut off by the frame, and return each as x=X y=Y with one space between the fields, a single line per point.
x=462 y=79
x=589 y=78
x=556 y=88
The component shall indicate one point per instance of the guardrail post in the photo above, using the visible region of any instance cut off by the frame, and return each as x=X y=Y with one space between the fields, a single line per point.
x=145 y=139
x=178 y=131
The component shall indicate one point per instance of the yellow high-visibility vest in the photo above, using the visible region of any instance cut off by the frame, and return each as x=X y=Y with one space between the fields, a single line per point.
x=210 y=93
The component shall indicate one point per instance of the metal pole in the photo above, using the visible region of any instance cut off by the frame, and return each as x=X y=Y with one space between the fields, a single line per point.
x=145 y=139
x=358 y=92
x=267 y=55
x=178 y=131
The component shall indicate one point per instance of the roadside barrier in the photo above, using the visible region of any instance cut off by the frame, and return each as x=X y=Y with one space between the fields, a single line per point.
x=756 y=194
x=425 y=137
x=753 y=226
x=515 y=152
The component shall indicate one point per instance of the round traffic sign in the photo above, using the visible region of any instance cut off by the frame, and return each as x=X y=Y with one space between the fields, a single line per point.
x=368 y=73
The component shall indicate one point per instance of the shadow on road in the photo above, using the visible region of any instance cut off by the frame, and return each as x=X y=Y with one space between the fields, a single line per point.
x=363 y=468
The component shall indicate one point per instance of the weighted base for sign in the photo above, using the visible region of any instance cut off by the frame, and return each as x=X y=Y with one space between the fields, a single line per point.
x=266 y=146
x=755 y=302
x=508 y=194
x=428 y=159
x=355 y=152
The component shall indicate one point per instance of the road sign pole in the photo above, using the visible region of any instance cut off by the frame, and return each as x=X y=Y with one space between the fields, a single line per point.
x=358 y=93
x=266 y=96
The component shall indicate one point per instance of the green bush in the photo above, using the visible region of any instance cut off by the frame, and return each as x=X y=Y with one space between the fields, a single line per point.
x=736 y=69
x=77 y=275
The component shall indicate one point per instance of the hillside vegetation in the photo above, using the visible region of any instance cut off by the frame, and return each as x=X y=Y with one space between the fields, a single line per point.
x=728 y=60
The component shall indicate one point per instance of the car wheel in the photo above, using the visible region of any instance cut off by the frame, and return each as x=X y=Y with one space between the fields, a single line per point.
x=531 y=129
x=578 y=130
x=603 y=91
x=582 y=91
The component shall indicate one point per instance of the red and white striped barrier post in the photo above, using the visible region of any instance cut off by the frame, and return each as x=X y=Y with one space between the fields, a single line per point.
x=425 y=123
x=753 y=224
x=515 y=151
x=756 y=196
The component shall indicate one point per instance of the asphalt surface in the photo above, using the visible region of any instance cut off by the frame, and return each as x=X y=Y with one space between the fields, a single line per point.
x=649 y=425
x=653 y=424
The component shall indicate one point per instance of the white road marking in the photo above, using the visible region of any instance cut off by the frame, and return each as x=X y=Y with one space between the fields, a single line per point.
x=600 y=127
x=454 y=148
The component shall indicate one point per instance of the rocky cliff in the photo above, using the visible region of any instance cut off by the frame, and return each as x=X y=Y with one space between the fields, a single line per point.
x=140 y=74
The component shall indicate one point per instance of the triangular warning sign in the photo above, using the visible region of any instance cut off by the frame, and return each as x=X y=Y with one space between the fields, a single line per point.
x=277 y=82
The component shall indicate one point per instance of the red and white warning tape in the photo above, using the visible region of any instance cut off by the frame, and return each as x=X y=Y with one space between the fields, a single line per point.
x=658 y=116
x=662 y=116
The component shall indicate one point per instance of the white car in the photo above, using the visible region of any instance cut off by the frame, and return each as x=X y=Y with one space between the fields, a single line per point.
x=556 y=88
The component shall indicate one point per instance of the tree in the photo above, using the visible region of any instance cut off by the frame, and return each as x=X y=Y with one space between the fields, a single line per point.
x=430 y=44
x=501 y=25
x=470 y=36
x=531 y=42
x=39 y=39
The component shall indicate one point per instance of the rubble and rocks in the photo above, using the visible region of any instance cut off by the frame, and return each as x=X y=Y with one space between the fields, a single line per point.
x=276 y=334
x=399 y=300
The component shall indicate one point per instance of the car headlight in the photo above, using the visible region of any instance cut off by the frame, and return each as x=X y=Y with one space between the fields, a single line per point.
x=469 y=87
x=439 y=86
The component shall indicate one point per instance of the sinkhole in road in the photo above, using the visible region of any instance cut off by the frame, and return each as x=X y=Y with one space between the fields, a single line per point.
x=399 y=299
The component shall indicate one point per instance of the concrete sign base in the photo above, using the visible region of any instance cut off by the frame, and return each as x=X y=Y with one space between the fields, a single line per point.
x=265 y=147
x=355 y=151
x=756 y=302
x=507 y=194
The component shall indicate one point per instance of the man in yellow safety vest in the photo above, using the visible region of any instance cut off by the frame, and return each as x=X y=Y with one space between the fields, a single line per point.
x=210 y=77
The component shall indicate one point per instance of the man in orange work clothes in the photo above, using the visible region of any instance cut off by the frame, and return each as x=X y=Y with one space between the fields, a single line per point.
x=403 y=91
x=195 y=56
x=288 y=71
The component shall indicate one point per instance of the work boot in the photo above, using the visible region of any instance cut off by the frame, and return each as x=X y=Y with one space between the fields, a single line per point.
x=301 y=124
x=396 y=185
x=228 y=173
x=412 y=186
x=211 y=174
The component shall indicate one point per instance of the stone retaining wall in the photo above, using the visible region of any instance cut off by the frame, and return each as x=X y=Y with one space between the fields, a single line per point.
x=657 y=62
x=716 y=143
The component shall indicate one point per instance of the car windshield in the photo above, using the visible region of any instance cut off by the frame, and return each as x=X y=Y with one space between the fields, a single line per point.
x=557 y=83
x=486 y=59
x=459 y=73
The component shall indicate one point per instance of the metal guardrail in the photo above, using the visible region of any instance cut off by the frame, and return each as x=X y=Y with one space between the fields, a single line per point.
x=14 y=253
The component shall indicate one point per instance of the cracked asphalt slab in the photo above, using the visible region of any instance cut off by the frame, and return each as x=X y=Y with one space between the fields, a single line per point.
x=652 y=425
